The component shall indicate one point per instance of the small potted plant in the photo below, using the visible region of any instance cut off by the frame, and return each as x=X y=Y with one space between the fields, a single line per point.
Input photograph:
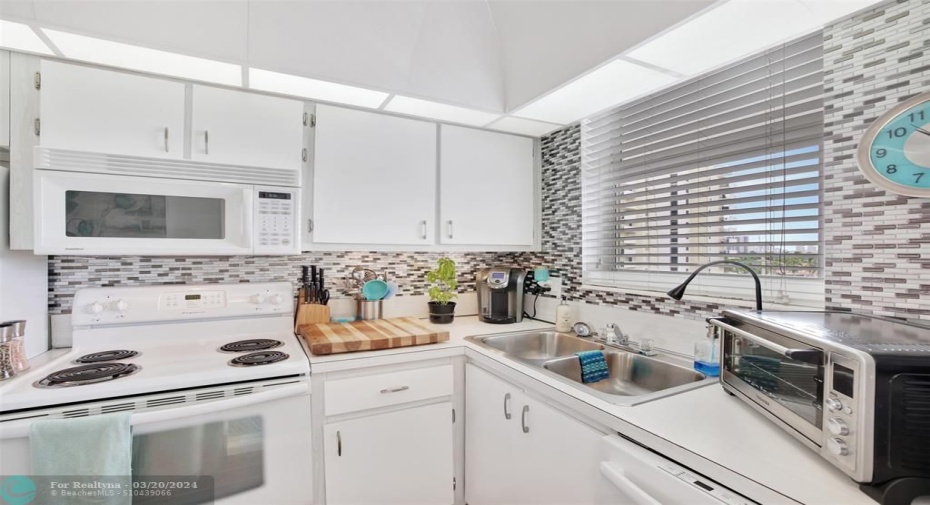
x=442 y=284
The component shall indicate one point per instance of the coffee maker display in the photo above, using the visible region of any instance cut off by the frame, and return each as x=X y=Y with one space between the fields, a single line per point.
x=500 y=294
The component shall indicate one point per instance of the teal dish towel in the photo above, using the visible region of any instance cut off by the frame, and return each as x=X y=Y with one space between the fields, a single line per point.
x=593 y=366
x=93 y=449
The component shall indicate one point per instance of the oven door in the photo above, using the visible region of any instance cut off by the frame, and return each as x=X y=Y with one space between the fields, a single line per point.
x=780 y=376
x=94 y=214
x=256 y=447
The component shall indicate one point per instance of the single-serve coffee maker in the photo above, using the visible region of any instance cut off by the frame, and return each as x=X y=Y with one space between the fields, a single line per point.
x=500 y=294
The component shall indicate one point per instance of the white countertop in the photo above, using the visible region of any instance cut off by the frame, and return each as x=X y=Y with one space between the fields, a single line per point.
x=705 y=429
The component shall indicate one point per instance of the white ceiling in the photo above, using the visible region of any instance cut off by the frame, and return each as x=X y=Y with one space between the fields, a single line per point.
x=525 y=66
x=491 y=55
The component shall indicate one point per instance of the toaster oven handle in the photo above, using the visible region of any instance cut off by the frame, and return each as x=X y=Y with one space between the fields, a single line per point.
x=811 y=355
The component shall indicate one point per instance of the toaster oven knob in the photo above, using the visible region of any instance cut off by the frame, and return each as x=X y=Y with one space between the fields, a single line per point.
x=837 y=446
x=834 y=404
x=837 y=426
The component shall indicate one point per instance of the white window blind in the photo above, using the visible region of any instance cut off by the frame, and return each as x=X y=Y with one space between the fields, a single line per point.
x=727 y=165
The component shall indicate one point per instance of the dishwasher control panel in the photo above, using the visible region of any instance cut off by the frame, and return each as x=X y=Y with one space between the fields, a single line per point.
x=711 y=488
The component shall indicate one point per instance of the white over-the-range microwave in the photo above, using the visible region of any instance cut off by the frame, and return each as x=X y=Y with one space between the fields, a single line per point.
x=105 y=204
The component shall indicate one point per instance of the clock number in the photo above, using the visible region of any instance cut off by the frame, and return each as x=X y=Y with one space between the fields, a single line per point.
x=890 y=169
x=897 y=132
x=916 y=116
x=917 y=177
x=881 y=153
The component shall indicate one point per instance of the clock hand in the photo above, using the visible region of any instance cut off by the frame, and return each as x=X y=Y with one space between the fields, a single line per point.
x=921 y=130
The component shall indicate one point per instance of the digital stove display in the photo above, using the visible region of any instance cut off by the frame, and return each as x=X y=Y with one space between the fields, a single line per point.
x=192 y=297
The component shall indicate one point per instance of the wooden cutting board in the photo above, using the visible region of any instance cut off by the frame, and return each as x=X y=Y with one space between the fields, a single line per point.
x=333 y=338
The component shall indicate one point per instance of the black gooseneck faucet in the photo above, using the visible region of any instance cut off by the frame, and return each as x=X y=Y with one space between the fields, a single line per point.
x=679 y=291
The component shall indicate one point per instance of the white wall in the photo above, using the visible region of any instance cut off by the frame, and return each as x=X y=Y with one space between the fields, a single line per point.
x=23 y=280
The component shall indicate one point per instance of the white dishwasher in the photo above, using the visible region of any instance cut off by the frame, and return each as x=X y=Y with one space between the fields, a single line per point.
x=631 y=474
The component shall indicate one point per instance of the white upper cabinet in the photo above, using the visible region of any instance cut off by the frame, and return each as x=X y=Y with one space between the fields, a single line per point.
x=487 y=188
x=239 y=128
x=87 y=109
x=4 y=98
x=374 y=179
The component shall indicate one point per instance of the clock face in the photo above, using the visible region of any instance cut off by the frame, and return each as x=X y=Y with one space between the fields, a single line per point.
x=895 y=151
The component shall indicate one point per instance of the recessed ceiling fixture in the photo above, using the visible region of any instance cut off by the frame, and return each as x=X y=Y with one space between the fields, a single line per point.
x=522 y=126
x=440 y=111
x=21 y=38
x=738 y=28
x=288 y=84
x=106 y=52
x=609 y=85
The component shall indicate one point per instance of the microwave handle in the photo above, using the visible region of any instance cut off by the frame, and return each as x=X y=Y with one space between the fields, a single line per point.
x=812 y=356
x=19 y=429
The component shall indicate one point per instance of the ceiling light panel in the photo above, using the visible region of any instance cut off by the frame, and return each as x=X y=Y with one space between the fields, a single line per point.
x=288 y=84
x=439 y=111
x=610 y=85
x=523 y=126
x=20 y=37
x=106 y=52
x=736 y=29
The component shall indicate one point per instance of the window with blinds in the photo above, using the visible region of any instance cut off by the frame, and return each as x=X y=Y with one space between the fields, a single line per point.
x=727 y=165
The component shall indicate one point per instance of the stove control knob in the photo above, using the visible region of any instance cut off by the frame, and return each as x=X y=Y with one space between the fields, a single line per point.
x=837 y=426
x=258 y=299
x=96 y=308
x=121 y=305
x=837 y=446
x=834 y=404
x=276 y=299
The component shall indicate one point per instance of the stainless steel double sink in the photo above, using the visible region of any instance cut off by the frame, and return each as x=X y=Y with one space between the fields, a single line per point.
x=633 y=378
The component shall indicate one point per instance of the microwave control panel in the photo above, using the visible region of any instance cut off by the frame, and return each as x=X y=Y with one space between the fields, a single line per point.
x=841 y=412
x=276 y=214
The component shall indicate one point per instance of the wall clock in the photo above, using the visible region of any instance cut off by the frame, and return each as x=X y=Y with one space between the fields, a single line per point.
x=894 y=151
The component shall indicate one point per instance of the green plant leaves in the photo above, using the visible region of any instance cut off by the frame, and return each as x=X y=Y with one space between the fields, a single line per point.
x=442 y=281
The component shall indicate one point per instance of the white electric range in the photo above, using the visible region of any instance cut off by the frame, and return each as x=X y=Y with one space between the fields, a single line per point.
x=215 y=379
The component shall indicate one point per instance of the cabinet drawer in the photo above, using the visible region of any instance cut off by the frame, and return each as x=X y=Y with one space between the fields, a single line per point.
x=381 y=390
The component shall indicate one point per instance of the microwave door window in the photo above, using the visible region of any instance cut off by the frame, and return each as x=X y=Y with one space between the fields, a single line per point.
x=796 y=385
x=93 y=214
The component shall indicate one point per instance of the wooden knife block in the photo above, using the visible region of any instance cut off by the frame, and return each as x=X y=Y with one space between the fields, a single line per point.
x=311 y=313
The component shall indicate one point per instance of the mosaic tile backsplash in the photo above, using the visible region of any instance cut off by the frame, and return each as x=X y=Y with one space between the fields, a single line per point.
x=67 y=274
x=874 y=240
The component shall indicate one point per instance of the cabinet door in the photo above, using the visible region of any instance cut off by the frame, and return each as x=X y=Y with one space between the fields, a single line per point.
x=487 y=188
x=374 y=179
x=87 y=109
x=557 y=457
x=492 y=427
x=402 y=457
x=239 y=128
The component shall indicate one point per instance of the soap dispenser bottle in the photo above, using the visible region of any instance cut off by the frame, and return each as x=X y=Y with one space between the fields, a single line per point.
x=564 y=318
x=706 y=354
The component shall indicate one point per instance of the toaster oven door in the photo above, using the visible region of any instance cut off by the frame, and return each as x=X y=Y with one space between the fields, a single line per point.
x=782 y=376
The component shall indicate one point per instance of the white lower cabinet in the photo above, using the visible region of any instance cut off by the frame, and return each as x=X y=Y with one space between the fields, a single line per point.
x=518 y=450
x=401 y=457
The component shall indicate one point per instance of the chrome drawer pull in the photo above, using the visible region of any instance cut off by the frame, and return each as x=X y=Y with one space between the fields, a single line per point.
x=338 y=443
x=395 y=390
x=166 y=139
x=526 y=429
x=507 y=406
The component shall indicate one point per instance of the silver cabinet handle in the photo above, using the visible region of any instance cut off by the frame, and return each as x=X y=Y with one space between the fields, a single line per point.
x=206 y=142
x=450 y=228
x=166 y=139
x=526 y=429
x=395 y=390
x=338 y=443
x=507 y=406
x=423 y=229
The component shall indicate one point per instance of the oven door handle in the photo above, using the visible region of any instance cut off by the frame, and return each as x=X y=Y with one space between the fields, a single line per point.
x=812 y=356
x=19 y=429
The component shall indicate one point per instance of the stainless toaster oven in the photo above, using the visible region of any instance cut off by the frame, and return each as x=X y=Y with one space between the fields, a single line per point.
x=854 y=388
